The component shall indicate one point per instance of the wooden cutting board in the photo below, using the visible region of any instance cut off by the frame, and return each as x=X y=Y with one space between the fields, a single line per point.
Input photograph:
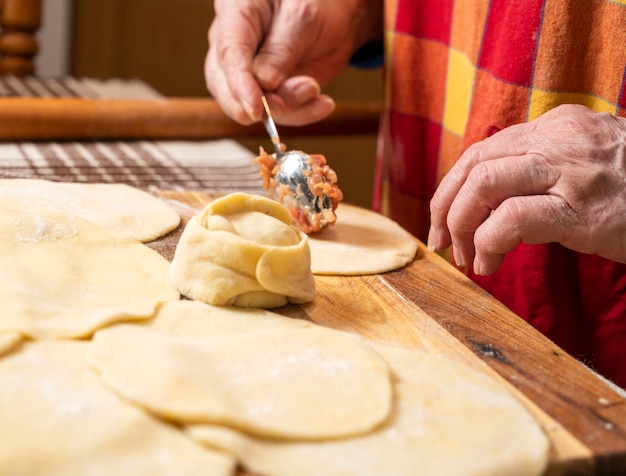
x=432 y=306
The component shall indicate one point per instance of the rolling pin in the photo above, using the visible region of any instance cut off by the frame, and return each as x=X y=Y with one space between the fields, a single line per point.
x=31 y=119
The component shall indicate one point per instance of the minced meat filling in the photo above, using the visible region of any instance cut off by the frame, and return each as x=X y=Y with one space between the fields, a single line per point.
x=322 y=187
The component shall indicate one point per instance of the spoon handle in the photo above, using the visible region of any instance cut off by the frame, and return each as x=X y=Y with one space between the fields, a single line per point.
x=270 y=126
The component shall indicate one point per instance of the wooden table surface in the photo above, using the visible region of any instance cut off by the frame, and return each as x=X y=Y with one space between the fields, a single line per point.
x=432 y=306
x=428 y=304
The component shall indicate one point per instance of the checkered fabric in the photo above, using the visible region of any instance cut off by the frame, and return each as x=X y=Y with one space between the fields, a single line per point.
x=218 y=166
x=211 y=166
x=458 y=71
x=11 y=86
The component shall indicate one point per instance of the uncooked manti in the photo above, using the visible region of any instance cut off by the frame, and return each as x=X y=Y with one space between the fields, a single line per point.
x=242 y=250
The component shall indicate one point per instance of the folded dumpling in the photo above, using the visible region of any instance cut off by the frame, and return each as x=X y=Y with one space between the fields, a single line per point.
x=242 y=250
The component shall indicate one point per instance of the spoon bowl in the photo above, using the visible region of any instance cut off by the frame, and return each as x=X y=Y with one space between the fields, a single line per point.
x=301 y=182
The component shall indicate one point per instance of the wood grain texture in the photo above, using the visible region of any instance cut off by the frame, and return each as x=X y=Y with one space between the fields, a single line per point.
x=58 y=118
x=431 y=306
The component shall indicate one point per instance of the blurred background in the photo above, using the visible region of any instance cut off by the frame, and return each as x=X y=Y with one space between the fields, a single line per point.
x=163 y=43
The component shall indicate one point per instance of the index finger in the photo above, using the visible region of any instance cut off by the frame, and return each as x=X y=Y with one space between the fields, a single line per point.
x=234 y=38
x=488 y=185
x=509 y=142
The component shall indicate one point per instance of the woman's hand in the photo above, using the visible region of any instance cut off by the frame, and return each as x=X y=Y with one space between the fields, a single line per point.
x=560 y=178
x=286 y=49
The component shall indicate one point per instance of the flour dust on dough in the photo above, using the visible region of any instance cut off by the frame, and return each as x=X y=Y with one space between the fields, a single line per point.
x=117 y=207
x=300 y=382
x=58 y=419
x=447 y=419
x=64 y=277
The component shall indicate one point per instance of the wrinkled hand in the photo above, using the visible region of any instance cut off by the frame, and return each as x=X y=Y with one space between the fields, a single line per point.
x=560 y=178
x=286 y=48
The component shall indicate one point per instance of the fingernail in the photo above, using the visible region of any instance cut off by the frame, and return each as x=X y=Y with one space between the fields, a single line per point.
x=458 y=259
x=432 y=241
x=326 y=105
x=487 y=264
x=249 y=110
x=306 y=91
x=479 y=267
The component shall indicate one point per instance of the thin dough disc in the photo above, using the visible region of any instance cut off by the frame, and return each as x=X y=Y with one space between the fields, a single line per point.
x=196 y=319
x=308 y=382
x=447 y=419
x=58 y=419
x=116 y=207
x=64 y=277
x=8 y=341
x=361 y=242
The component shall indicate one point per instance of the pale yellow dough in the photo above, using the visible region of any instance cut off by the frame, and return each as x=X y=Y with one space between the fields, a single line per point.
x=9 y=341
x=58 y=419
x=361 y=242
x=186 y=318
x=64 y=277
x=299 y=382
x=115 y=207
x=242 y=250
x=448 y=419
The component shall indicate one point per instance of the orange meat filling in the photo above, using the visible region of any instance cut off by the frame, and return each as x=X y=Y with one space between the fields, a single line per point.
x=321 y=183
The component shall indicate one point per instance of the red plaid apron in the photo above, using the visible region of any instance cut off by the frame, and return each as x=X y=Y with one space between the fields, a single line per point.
x=459 y=70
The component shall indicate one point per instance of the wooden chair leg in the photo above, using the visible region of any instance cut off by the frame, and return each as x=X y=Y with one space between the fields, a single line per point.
x=19 y=22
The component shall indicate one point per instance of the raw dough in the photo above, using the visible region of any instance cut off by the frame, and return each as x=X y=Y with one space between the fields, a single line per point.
x=9 y=341
x=64 y=277
x=308 y=382
x=58 y=419
x=186 y=318
x=242 y=250
x=448 y=419
x=361 y=242
x=112 y=206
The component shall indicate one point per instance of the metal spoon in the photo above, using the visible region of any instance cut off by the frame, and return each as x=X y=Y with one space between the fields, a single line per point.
x=294 y=169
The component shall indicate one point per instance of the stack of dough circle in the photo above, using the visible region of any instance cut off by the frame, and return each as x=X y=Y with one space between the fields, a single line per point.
x=242 y=250
x=256 y=390
x=306 y=382
x=64 y=277
x=447 y=419
x=287 y=397
x=58 y=419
